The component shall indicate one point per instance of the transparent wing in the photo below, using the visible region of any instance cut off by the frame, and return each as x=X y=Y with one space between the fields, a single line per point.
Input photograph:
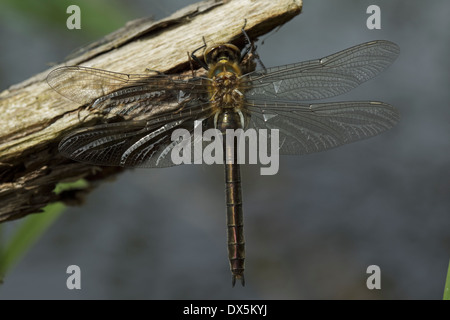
x=312 y=128
x=323 y=78
x=133 y=143
x=126 y=94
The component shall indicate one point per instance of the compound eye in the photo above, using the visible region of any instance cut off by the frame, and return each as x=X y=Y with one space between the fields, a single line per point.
x=210 y=55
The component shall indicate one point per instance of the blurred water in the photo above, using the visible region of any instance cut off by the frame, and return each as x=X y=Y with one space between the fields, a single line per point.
x=312 y=229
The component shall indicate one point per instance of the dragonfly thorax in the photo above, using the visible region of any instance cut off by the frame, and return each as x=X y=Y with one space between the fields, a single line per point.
x=225 y=91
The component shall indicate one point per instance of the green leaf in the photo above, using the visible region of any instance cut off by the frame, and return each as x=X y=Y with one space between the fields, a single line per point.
x=29 y=231
x=32 y=227
x=447 y=285
x=63 y=186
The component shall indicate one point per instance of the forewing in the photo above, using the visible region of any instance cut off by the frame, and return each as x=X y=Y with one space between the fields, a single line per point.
x=127 y=94
x=312 y=128
x=323 y=78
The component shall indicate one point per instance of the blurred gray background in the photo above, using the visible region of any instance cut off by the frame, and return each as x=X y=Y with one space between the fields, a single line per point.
x=311 y=230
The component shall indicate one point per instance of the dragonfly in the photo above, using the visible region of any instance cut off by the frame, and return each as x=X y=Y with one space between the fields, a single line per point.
x=232 y=95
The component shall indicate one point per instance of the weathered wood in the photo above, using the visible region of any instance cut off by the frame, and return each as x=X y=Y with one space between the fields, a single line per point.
x=34 y=117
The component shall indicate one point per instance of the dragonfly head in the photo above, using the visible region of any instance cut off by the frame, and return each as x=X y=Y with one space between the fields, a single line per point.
x=223 y=60
x=222 y=53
